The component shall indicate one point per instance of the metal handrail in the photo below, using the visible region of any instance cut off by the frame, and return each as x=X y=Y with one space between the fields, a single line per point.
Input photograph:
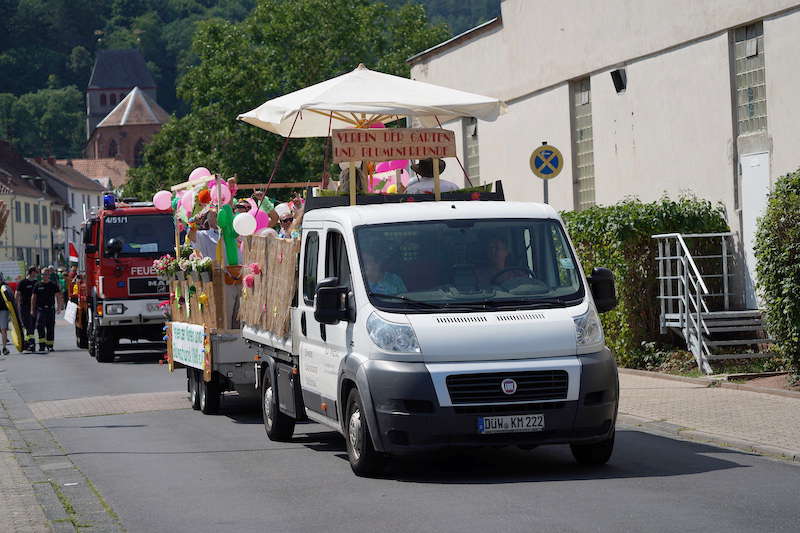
x=687 y=253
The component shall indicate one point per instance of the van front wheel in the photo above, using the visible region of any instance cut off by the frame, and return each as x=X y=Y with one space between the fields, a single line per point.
x=364 y=460
x=594 y=454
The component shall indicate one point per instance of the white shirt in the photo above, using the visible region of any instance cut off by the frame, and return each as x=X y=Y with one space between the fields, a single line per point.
x=426 y=185
x=205 y=242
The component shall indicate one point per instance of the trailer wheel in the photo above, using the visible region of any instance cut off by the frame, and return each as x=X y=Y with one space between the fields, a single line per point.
x=209 y=393
x=364 y=460
x=194 y=394
x=279 y=426
x=594 y=454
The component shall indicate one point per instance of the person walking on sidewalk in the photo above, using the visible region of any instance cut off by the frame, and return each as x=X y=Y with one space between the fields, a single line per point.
x=44 y=306
x=3 y=319
x=24 y=295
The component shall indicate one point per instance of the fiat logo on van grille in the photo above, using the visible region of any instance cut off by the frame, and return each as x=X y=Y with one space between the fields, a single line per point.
x=509 y=386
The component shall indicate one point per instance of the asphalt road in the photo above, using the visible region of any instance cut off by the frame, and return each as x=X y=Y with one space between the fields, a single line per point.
x=178 y=470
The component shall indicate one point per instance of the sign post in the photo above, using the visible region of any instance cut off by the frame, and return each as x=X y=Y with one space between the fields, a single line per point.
x=546 y=163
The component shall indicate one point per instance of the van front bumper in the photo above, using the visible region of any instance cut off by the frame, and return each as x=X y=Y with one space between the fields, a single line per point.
x=409 y=416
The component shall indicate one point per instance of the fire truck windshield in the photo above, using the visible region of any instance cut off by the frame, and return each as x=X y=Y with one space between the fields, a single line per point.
x=150 y=235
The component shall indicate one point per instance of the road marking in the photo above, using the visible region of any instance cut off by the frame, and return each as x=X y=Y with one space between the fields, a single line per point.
x=109 y=405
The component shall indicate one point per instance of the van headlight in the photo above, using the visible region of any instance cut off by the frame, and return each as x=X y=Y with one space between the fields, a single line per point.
x=391 y=337
x=588 y=331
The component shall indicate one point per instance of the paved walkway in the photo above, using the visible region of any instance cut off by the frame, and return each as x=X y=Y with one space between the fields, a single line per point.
x=19 y=510
x=753 y=421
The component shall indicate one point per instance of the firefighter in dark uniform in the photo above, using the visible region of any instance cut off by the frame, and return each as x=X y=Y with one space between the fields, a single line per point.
x=44 y=307
x=24 y=294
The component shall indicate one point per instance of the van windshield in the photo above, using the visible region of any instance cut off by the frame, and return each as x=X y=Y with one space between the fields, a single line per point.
x=140 y=234
x=468 y=264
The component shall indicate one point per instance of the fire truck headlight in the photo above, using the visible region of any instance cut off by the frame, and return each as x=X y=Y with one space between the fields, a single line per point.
x=115 y=309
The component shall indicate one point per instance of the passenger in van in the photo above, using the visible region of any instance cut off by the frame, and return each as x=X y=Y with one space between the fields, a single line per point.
x=379 y=280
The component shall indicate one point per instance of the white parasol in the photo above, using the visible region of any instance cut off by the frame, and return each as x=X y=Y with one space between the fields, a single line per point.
x=364 y=97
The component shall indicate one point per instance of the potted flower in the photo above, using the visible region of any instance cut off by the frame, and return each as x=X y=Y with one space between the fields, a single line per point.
x=204 y=267
x=165 y=267
x=184 y=265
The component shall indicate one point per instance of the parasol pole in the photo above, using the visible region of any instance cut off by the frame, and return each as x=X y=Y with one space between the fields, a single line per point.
x=437 y=186
x=352 y=183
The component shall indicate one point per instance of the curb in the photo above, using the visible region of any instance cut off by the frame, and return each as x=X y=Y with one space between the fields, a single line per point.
x=711 y=382
x=663 y=428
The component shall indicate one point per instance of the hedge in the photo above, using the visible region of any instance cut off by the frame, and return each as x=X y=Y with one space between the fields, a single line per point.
x=777 y=251
x=619 y=237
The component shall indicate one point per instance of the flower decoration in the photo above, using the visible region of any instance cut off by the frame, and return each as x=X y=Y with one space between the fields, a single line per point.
x=204 y=196
x=255 y=268
x=249 y=281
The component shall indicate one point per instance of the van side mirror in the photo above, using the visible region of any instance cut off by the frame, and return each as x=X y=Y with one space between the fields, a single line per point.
x=332 y=304
x=601 y=283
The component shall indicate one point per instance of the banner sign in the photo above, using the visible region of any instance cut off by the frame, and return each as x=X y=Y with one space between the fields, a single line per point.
x=387 y=144
x=187 y=344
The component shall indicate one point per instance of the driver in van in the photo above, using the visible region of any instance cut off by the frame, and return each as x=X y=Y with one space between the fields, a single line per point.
x=498 y=271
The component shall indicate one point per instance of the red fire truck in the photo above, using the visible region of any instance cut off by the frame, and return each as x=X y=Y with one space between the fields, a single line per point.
x=119 y=291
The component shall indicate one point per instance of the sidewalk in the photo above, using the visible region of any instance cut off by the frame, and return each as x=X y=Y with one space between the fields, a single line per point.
x=750 y=421
x=19 y=510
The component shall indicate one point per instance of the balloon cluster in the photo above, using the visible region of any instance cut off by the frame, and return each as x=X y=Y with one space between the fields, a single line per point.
x=207 y=191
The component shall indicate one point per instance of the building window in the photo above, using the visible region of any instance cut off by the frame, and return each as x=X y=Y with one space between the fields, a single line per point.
x=112 y=148
x=56 y=219
x=20 y=254
x=29 y=256
x=44 y=215
x=36 y=214
x=103 y=100
x=469 y=128
x=751 y=89
x=17 y=212
x=27 y=213
x=113 y=99
x=45 y=256
x=582 y=144
x=138 y=153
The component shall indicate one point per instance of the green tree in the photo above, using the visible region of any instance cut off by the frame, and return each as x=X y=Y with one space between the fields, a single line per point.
x=48 y=122
x=281 y=47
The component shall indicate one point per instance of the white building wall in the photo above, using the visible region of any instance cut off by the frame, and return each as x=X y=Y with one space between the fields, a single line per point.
x=782 y=46
x=670 y=131
x=507 y=144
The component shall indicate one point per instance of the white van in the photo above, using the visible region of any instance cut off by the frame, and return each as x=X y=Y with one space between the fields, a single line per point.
x=431 y=324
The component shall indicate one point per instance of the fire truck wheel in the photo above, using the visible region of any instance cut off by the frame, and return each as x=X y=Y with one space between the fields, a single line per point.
x=193 y=376
x=279 y=425
x=104 y=349
x=209 y=392
x=81 y=338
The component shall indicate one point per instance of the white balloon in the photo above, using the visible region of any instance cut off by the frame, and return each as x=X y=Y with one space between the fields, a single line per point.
x=244 y=224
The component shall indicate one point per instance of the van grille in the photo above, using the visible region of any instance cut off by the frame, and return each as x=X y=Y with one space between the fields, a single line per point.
x=459 y=319
x=537 y=385
x=518 y=317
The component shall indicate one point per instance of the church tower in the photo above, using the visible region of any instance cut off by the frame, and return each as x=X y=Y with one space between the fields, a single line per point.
x=115 y=74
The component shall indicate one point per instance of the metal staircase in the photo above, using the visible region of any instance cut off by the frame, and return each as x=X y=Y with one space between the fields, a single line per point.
x=696 y=300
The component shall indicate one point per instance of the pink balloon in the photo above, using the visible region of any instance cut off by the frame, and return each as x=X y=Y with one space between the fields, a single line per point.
x=187 y=202
x=199 y=172
x=385 y=166
x=162 y=200
x=223 y=189
x=262 y=219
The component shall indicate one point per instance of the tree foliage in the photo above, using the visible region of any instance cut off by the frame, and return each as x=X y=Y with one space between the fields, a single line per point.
x=281 y=47
x=43 y=123
x=618 y=237
x=777 y=251
x=458 y=14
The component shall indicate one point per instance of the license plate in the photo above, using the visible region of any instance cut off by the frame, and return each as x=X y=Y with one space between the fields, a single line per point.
x=510 y=423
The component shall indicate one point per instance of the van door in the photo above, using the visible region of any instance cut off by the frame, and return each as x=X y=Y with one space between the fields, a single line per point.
x=336 y=337
x=307 y=330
